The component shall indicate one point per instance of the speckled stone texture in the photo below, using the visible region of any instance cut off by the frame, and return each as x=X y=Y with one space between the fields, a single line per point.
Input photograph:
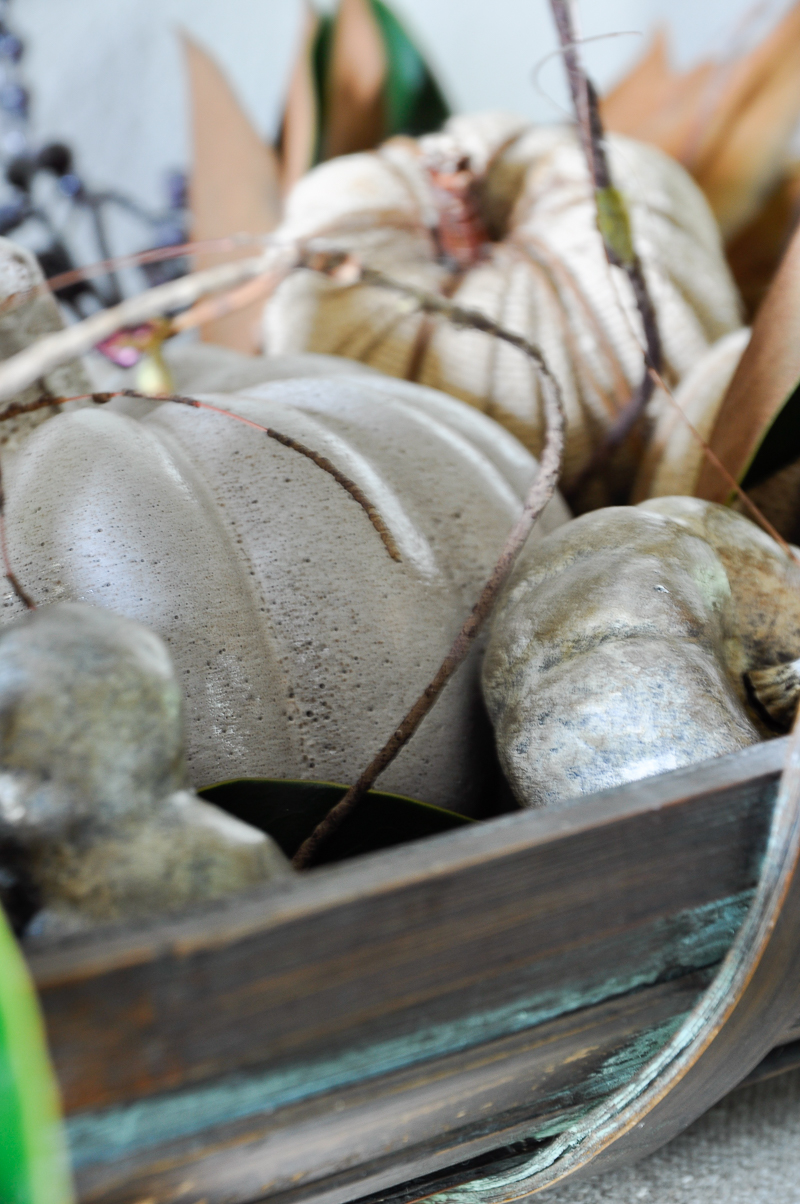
x=20 y=326
x=619 y=648
x=299 y=643
x=93 y=778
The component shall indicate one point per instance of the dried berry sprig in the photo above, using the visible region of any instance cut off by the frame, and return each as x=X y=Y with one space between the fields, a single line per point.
x=53 y=350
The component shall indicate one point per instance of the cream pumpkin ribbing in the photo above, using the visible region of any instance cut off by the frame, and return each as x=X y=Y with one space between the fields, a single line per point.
x=546 y=277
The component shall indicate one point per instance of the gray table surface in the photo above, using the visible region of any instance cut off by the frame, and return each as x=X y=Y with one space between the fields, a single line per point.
x=746 y=1150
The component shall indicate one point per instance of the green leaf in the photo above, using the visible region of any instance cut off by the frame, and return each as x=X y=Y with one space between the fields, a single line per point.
x=414 y=101
x=289 y=811
x=780 y=446
x=614 y=225
x=320 y=57
x=33 y=1159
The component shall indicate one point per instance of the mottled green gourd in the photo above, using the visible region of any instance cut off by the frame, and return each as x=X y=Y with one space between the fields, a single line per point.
x=636 y=640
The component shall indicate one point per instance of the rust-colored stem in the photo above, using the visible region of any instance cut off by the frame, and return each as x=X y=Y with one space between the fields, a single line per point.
x=355 y=491
x=156 y=255
x=539 y=495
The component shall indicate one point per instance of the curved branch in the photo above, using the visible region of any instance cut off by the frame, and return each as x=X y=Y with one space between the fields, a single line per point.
x=539 y=495
x=50 y=352
x=613 y=223
x=350 y=486
x=355 y=491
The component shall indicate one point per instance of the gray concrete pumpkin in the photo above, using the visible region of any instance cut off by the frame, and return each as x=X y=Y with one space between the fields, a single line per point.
x=297 y=640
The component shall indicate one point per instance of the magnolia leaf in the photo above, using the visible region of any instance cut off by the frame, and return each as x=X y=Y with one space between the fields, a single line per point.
x=289 y=811
x=756 y=251
x=761 y=105
x=297 y=142
x=358 y=80
x=765 y=380
x=354 y=110
x=234 y=185
x=34 y=1167
x=729 y=123
x=655 y=104
x=414 y=101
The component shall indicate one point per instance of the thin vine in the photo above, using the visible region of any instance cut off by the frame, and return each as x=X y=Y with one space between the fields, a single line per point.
x=614 y=225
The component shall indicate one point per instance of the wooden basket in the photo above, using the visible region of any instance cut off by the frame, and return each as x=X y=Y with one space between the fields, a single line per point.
x=422 y=1016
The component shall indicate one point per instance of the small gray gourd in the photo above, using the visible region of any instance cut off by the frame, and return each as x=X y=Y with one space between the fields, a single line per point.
x=93 y=797
x=635 y=640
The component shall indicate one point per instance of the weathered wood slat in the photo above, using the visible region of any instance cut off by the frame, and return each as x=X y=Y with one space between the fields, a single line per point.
x=417 y=1120
x=389 y=1017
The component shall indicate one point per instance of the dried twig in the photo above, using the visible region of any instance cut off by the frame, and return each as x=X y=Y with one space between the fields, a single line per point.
x=539 y=495
x=355 y=491
x=50 y=352
x=614 y=225
x=137 y=259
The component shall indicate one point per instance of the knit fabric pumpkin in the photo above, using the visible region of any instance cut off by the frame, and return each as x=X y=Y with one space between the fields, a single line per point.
x=500 y=216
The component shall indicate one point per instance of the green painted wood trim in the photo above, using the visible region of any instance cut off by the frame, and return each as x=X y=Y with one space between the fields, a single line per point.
x=690 y=941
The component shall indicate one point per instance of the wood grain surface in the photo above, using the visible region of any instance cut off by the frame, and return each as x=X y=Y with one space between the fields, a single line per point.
x=385 y=1019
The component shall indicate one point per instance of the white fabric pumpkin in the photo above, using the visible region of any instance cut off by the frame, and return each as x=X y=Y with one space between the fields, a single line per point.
x=544 y=274
x=674 y=455
x=298 y=641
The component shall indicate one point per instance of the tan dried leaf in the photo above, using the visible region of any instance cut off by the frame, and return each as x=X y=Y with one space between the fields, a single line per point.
x=756 y=251
x=767 y=374
x=301 y=116
x=234 y=182
x=358 y=67
x=729 y=123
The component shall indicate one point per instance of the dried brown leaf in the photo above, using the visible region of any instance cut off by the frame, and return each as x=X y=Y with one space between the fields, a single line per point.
x=739 y=169
x=301 y=117
x=656 y=104
x=767 y=375
x=358 y=66
x=728 y=123
x=234 y=182
x=756 y=251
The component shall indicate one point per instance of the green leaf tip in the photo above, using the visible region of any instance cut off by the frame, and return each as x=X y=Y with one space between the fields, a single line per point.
x=34 y=1167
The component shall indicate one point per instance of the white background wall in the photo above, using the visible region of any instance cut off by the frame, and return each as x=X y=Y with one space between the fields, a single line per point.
x=107 y=76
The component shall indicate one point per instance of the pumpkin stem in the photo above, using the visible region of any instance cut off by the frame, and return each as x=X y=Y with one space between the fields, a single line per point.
x=613 y=222
x=540 y=493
